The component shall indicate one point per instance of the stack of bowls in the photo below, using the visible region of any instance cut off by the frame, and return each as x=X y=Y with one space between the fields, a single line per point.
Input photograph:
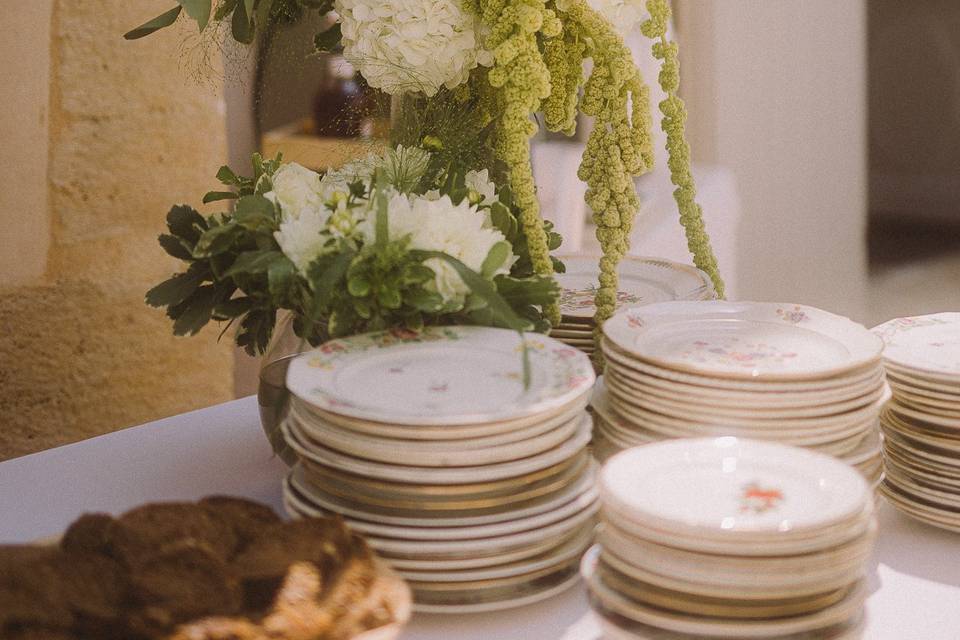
x=730 y=538
x=642 y=281
x=787 y=373
x=476 y=486
x=921 y=423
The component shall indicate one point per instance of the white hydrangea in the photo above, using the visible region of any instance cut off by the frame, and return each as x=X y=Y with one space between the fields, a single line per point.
x=439 y=225
x=625 y=15
x=303 y=214
x=411 y=45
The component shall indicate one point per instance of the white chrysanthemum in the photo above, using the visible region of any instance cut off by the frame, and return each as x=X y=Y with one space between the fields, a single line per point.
x=302 y=239
x=411 y=45
x=625 y=15
x=439 y=225
x=478 y=182
x=336 y=181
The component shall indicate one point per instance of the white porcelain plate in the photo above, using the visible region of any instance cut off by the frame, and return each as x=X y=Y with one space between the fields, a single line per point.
x=744 y=340
x=923 y=343
x=642 y=281
x=441 y=375
x=729 y=485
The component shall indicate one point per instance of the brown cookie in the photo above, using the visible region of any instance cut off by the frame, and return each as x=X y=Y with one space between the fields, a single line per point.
x=88 y=534
x=139 y=533
x=184 y=581
x=249 y=519
x=30 y=595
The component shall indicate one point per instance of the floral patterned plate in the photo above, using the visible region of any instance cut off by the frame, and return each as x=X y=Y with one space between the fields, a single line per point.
x=642 y=281
x=743 y=340
x=924 y=344
x=441 y=375
x=730 y=486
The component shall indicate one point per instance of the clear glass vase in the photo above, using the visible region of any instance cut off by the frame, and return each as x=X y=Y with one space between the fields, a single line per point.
x=272 y=394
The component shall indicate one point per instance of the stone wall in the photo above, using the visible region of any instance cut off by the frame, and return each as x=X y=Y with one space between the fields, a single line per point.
x=129 y=133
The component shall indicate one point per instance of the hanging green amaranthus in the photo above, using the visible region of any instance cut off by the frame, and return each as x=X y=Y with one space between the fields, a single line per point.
x=674 y=121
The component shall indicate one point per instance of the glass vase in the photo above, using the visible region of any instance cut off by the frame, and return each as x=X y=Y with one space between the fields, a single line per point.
x=272 y=393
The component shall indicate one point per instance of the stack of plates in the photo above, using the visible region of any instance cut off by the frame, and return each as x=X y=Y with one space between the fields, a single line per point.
x=478 y=489
x=642 y=281
x=730 y=538
x=922 y=422
x=788 y=373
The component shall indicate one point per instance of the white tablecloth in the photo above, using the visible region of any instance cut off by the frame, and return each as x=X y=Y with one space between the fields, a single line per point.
x=915 y=589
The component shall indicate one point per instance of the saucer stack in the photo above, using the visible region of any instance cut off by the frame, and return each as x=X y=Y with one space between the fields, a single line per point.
x=473 y=485
x=921 y=423
x=642 y=281
x=787 y=373
x=730 y=538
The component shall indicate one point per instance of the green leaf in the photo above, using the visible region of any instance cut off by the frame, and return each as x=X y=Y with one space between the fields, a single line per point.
x=199 y=10
x=328 y=40
x=255 y=213
x=281 y=277
x=162 y=21
x=178 y=288
x=495 y=259
x=240 y=25
x=216 y=240
x=358 y=286
x=262 y=15
x=323 y=282
x=389 y=298
x=382 y=229
x=253 y=262
x=479 y=286
x=186 y=223
x=538 y=290
x=227 y=176
x=224 y=9
x=424 y=300
x=175 y=247
x=215 y=196
x=233 y=308
x=248 y=7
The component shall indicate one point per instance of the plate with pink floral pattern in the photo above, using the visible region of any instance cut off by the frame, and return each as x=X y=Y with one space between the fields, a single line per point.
x=923 y=344
x=745 y=340
x=440 y=376
x=642 y=281
x=729 y=486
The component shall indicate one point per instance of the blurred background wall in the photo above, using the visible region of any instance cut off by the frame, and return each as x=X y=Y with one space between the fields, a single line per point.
x=100 y=137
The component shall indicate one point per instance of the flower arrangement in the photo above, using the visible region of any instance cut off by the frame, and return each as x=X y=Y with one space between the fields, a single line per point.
x=387 y=241
x=482 y=75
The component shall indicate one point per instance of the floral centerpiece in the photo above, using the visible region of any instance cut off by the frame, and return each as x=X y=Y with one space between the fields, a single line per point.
x=446 y=226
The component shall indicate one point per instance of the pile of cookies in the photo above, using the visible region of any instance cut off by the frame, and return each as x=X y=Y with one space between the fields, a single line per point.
x=221 y=568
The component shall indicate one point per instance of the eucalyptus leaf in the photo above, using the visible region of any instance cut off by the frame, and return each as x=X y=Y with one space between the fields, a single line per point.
x=199 y=10
x=226 y=8
x=495 y=259
x=240 y=26
x=160 y=22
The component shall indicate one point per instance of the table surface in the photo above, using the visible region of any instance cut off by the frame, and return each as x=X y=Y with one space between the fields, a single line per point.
x=915 y=589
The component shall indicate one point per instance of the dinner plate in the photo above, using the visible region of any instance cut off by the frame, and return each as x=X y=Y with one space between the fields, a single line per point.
x=641 y=281
x=629 y=363
x=456 y=453
x=743 y=340
x=729 y=486
x=924 y=344
x=682 y=392
x=837 y=613
x=440 y=375
x=499 y=599
x=502 y=430
x=450 y=475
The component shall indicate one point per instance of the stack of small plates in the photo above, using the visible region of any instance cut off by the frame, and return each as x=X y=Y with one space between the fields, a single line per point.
x=642 y=281
x=921 y=423
x=730 y=538
x=787 y=373
x=475 y=486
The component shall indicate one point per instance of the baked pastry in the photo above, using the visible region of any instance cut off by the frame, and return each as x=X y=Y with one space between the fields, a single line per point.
x=221 y=569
